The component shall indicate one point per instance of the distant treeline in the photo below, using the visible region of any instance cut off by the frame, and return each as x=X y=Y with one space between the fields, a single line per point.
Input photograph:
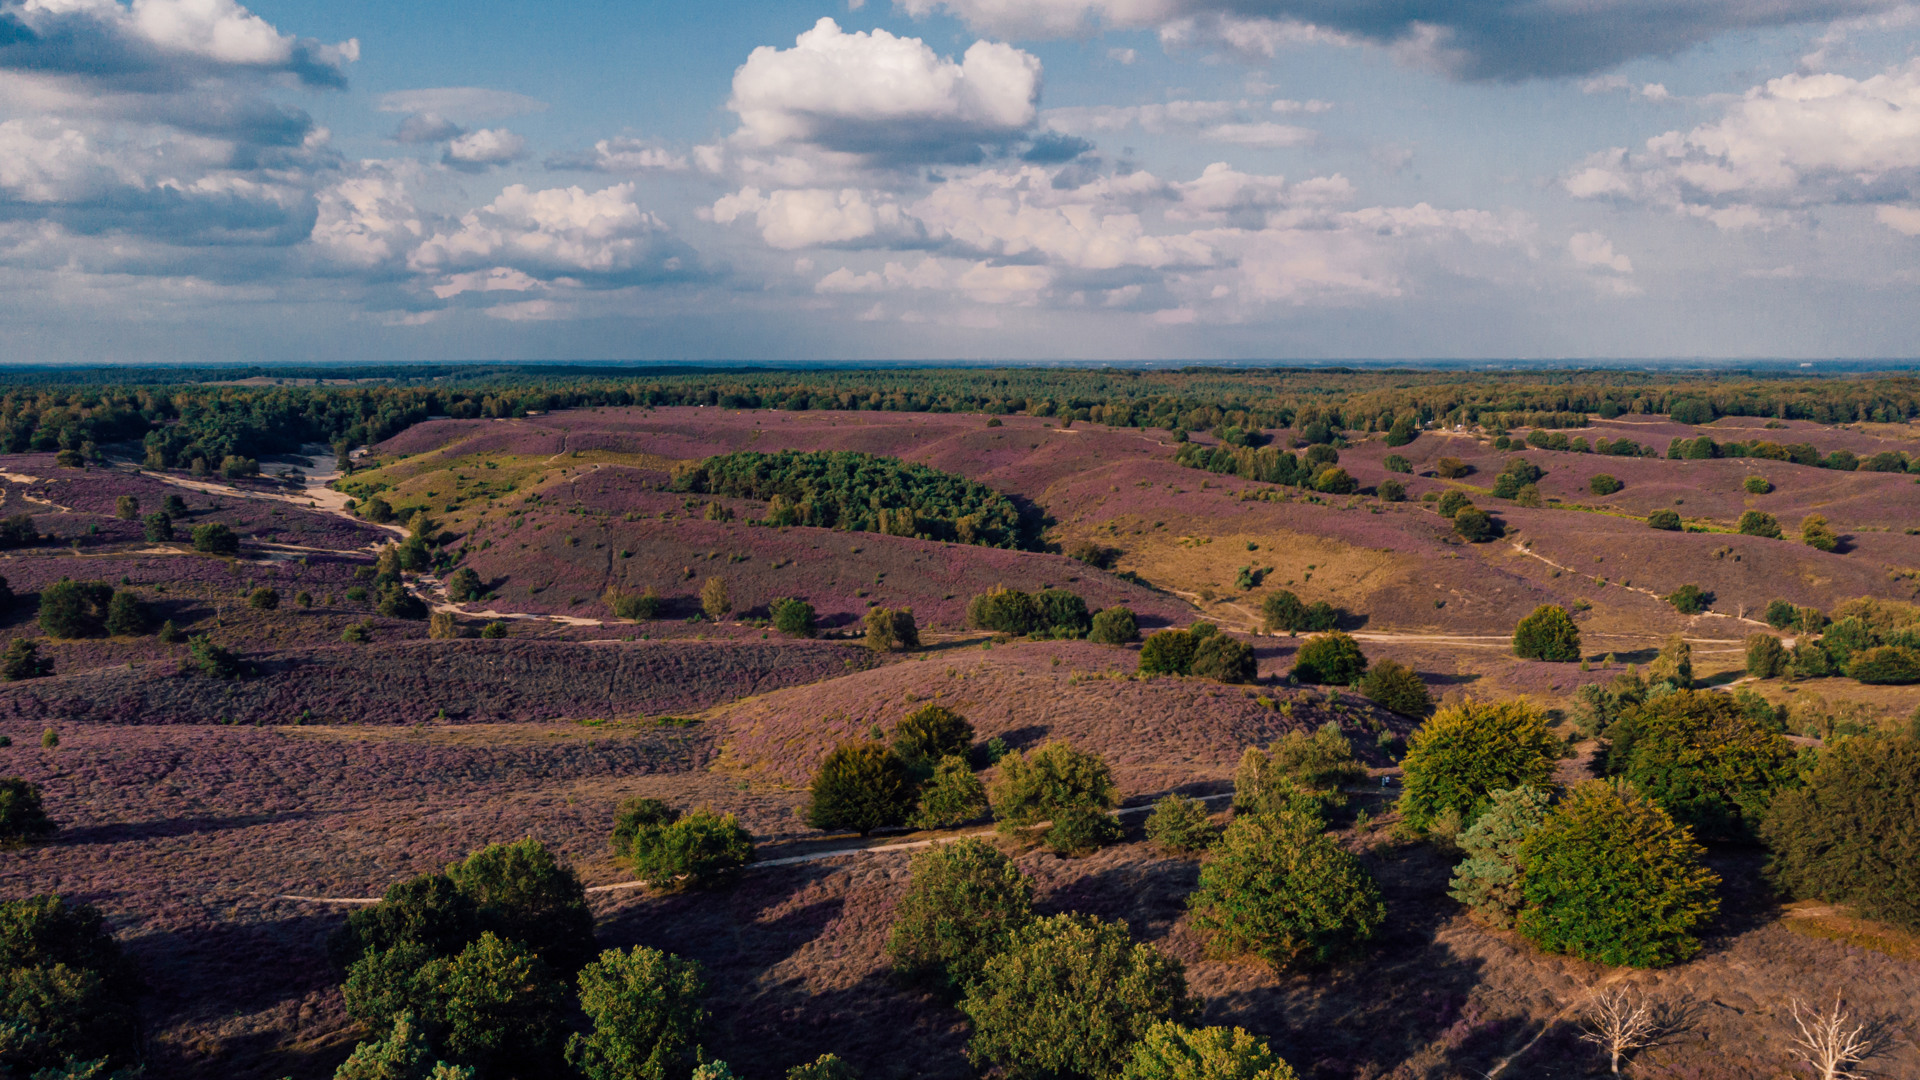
x=187 y=413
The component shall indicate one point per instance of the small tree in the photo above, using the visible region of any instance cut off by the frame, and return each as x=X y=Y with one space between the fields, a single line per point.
x=1604 y=484
x=693 y=849
x=74 y=609
x=1766 y=657
x=1758 y=523
x=158 y=528
x=1451 y=468
x=1225 y=659
x=126 y=508
x=1071 y=997
x=443 y=626
x=1664 y=520
x=1391 y=491
x=1282 y=610
x=1782 y=614
x=930 y=733
x=463 y=585
x=406 y=1053
x=1113 y=626
x=954 y=796
x=1757 y=485
x=1452 y=501
x=397 y=603
x=1458 y=759
x=636 y=816
x=1170 y=1051
x=1276 y=888
x=526 y=895
x=127 y=616
x=714 y=599
x=1332 y=658
x=377 y=510
x=1673 y=668
x=1817 y=534
x=1547 y=634
x=206 y=655
x=1619 y=1023
x=22 y=660
x=214 y=538
x=1395 y=686
x=792 y=617
x=1885 y=665
x=1612 y=879
x=824 y=1067
x=1298 y=773
x=1168 y=652
x=263 y=599
x=890 y=630
x=1035 y=787
x=1689 y=599
x=494 y=630
x=1851 y=835
x=1181 y=826
x=499 y=1006
x=1475 y=525
x=1490 y=879
x=861 y=786
x=647 y=1016
x=963 y=903
x=1831 y=1043
x=1396 y=463
x=22 y=816
x=1079 y=830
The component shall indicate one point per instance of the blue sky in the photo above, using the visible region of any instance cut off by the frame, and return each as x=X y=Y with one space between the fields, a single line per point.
x=1040 y=179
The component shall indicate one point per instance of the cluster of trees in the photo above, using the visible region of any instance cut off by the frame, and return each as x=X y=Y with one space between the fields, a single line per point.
x=1049 y=613
x=1558 y=440
x=1704 y=448
x=1318 y=470
x=1282 y=610
x=861 y=492
x=1873 y=641
x=1200 y=649
x=1470 y=523
x=67 y=993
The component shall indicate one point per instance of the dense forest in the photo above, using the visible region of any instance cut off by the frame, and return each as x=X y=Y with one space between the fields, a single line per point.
x=182 y=414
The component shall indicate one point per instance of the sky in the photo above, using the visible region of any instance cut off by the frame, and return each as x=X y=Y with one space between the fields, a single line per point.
x=197 y=180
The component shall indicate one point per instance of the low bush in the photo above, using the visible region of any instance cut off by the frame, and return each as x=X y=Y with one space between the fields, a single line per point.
x=1452 y=502
x=1766 y=657
x=1604 y=484
x=463 y=586
x=636 y=816
x=1330 y=659
x=1276 y=888
x=214 y=538
x=1490 y=879
x=1817 y=534
x=1396 y=463
x=1451 y=468
x=1851 y=834
x=1391 y=491
x=1781 y=614
x=1037 y=786
x=891 y=630
x=963 y=903
x=22 y=660
x=157 y=527
x=1547 y=634
x=1282 y=610
x=1475 y=525
x=861 y=786
x=1465 y=753
x=127 y=615
x=795 y=618
x=695 y=848
x=22 y=816
x=442 y=625
x=1113 y=626
x=953 y=796
x=1758 y=523
x=1297 y=773
x=1180 y=826
x=397 y=603
x=930 y=733
x=1756 y=485
x=1071 y=996
x=1689 y=599
x=1168 y=652
x=1225 y=659
x=1078 y=830
x=494 y=630
x=1054 y=613
x=1396 y=687
x=1170 y=1051
x=1885 y=665
x=647 y=1015
x=1611 y=878
x=209 y=658
x=1664 y=520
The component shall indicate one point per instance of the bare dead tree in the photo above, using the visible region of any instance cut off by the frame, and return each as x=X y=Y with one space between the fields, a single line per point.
x=1831 y=1042
x=1619 y=1022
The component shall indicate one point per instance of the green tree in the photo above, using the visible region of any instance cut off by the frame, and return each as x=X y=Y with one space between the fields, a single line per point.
x=1395 y=686
x=1004 y=611
x=214 y=538
x=499 y=1006
x=1036 y=786
x=1766 y=657
x=67 y=994
x=635 y=816
x=696 y=848
x=406 y=1053
x=1168 y=652
x=963 y=903
x=22 y=816
x=1282 y=610
x=1817 y=534
x=157 y=527
x=861 y=786
x=1396 y=463
x=377 y=510
x=126 y=615
x=1276 y=888
x=74 y=609
x=647 y=1015
x=463 y=585
x=1781 y=614
x=1170 y=1051
x=494 y=630
x=1466 y=752
x=714 y=599
x=264 y=599
x=1402 y=432
x=1452 y=501
x=1689 y=599
x=1113 y=626
x=126 y=508
x=953 y=796
x=427 y=911
x=1070 y=998
x=824 y=1067
x=1757 y=485
x=930 y=733
x=1335 y=481
x=794 y=618
x=891 y=630
x=1547 y=634
x=1332 y=658
x=1701 y=757
x=1885 y=665
x=22 y=660
x=1664 y=520
x=1491 y=878
x=1612 y=879
x=1391 y=491
x=1758 y=523
x=1180 y=826
x=211 y=659
x=1475 y=525
x=1604 y=484
x=1851 y=835
x=524 y=894
x=1673 y=668
x=397 y=603
x=1298 y=773
x=1225 y=659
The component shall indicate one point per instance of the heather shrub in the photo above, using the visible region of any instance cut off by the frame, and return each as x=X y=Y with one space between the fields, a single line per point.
x=930 y=733
x=1611 y=878
x=645 y=1008
x=524 y=894
x=1817 y=534
x=1180 y=826
x=1070 y=997
x=127 y=616
x=22 y=660
x=67 y=994
x=1474 y=525
x=1225 y=659
x=22 y=817
x=714 y=600
x=1490 y=878
x=1604 y=484
x=1664 y=520
x=1332 y=658
x=1885 y=665
x=694 y=848
x=1758 y=523
x=1766 y=657
x=1168 y=652
x=1170 y=1051
x=635 y=816
x=214 y=538
x=74 y=609
x=1276 y=888
x=1395 y=686
x=861 y=786
x=1113 y=626
x=891 y=629
x=1547 y=634
x=209 y=658
x=1689 y=599
x=463 y=585
x=963 y=902
x=1037 y=786
x=1465 y=753
x=1078 y=830
x=953 y=796
x=1851 y=834
x=792 y=617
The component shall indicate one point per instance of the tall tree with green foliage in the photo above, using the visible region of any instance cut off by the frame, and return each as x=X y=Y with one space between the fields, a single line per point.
x=522 y=893
x=1612 y=878
x=1033 y=787
x=1547 y=634
x=963 y=903
x=1491 y=879
x=930 y=733
x=1851 y=835
x=1277 y=888
x=693 y=849
x=74 y=609
x=647 y=1012
x=1170 y=1051
x=1466 y=752
x=1333 y=658
x=1699 y=755
x=861 y=786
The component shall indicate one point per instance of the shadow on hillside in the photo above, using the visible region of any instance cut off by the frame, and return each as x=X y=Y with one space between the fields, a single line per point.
x=134 y=832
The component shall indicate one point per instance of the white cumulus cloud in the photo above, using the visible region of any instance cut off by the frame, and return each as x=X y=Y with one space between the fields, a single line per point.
x=1593 y=249
x=478 y=150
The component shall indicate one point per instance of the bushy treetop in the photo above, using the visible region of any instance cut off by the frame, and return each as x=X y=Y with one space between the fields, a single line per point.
x=1466 y=752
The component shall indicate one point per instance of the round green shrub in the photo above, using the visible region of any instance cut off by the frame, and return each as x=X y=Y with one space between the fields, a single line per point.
x=1611 y=878
x=1276 y=888
x=1113 y=626
x=1037 y=786
x=954 y=796
x=1851 y=835
x=1466 y=752
x=1885 y=665
x=930 y=733
x=962 y=905
x=1766 y=657
x=1701 y=757
x=1391 y=491
x=214 y=538
x=498 y=1007
x=1078 y=830
x=524 y=894
x=1395 y=686
x=127 y=616
x=1547 y=634
x=1757 y=485
x=1071 y=997
x=795 y=618
x=1689 y=599
x=1170 y=1051
x=1452 y=501
x=1180 y=826
x=1474 y=525
x=1604 y=484
x=634 y=817
x=1757 y=523
x=1225 y=659
x=1168 y=652
x=647 y=1015
x=861 y=786
x=464 y=585
x=698 y=847
x=74 y=609
x=1782 y=614
x=1664 y=520
x=1331 y=659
